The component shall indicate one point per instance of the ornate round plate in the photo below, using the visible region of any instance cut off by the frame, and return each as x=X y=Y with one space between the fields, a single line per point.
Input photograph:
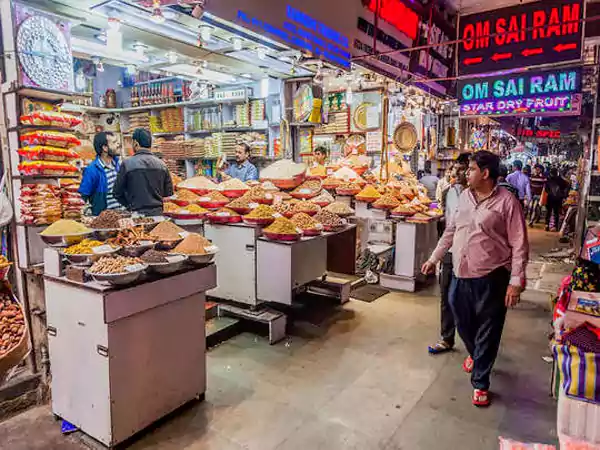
x=44 y=52
x=405 y=137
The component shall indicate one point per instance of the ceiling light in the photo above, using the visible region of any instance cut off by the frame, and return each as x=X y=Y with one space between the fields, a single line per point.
x=101 y=37
x=237 y=43
x=286 y=59
x=172 y=56
x=206 y=33
x=205 y=64
x=246 y=75
x=170 y=14
x=261 y=53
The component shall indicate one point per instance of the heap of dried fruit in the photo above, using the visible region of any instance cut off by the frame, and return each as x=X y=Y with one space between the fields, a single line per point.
x=329 y=219
x=107 y=219
x=305 y=222
x=113 y=265
x=387 y=201
x=12 y=324
x=85 y=247
x=261 y=212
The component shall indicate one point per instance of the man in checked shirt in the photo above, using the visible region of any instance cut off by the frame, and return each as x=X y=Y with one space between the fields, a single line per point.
x=490 y=251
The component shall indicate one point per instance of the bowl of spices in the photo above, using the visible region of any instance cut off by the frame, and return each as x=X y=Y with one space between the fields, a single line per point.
x=162 y=262
x=224 y=216
x=197 y=248
x=261 y=215
x=167 y=235
x=282 y=229
x=88 y=251
x=65 y=232
x=241 y=205
x=107 y=224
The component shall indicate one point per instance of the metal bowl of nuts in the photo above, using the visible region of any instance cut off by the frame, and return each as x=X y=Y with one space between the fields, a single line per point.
x=118 y=270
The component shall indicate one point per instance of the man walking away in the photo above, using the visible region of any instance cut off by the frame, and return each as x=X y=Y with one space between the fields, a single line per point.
x=520 y=181
x=502 y=183
x=557 y=189
x=448 y=327
x=144 y=179
x=537 y=181
x=429 y=181
x=488 y=237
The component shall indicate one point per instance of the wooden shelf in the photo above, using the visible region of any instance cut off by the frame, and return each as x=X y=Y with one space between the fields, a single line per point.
x=48 y=94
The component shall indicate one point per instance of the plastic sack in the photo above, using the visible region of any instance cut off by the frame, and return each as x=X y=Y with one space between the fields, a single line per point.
x=6 y=209
x=508 y=444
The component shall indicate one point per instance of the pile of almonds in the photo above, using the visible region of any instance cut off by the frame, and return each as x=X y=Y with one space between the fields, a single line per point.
x=12 y=324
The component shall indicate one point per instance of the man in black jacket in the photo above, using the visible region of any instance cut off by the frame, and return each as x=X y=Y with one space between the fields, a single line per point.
x=143 y=179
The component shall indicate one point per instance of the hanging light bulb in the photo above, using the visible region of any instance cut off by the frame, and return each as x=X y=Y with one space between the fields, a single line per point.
x=237 y=43
x=261 y=52
x=140 y=49
x=206 y=33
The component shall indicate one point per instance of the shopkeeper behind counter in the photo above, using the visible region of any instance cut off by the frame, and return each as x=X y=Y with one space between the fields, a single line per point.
x=143 y=179
x=242 y=169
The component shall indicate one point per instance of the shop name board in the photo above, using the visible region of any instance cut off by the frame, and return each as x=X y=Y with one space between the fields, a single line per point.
x=231 y=94
x=397 y=14
x=541 y=134
x=304 y=32
x=524 y=35
x=522 y=94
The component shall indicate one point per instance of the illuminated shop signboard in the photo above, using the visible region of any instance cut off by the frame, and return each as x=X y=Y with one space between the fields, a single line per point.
x=556 y=92
x=542 y=32
x=303 y=31
x=540 y=134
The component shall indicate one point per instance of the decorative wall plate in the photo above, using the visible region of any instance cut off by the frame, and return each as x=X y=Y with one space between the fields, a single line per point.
x=405 y=137
x=44 y=53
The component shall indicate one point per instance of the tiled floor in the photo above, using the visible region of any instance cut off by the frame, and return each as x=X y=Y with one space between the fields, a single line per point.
x=361 y=380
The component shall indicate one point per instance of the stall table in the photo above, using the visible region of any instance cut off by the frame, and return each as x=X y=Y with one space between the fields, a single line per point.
x=124 y=357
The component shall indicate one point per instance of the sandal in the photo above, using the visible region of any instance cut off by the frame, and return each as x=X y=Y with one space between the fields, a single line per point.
x=440 y=347
x=468 y=364
x=481 y=398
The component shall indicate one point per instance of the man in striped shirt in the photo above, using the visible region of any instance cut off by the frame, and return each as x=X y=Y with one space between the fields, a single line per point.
x=98 y=181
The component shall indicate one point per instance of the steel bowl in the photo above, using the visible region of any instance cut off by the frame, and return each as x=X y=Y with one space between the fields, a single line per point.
x=64 y=241
x=88 y=259
x=134 y=251
x=175 y=264
x=119 y=279
x=206 y=258
x=102 y=234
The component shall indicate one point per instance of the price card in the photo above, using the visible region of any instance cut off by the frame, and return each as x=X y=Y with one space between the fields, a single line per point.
x=126 y=223
x=173 y=258
x=373 y=116
x=253 y=205
x=268 y=196
x=374 y=139
x=223 y=214
x=277 y=215
x=205 y=199
x=184 y=234
x=134 y=268
x=211 y=249
x=305 y=191
x=101 y=249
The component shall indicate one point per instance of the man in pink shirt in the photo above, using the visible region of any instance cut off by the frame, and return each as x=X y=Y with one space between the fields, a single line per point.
x=490 y=251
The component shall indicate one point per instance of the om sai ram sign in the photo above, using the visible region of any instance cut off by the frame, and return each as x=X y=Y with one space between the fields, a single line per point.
x=556 y=92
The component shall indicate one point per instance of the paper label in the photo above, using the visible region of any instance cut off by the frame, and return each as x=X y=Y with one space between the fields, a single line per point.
x=173 y=259
x=268 y=196
x=126 y=223
x=277 y=215
x=205 y=199
x=223 y=214
x=305 y=191
x=374 y=139
x=319 y=226
x=184 y=234
x=134 y=268
x=99 y=250
x=373 y=116
x=211 y=249
x=253 y=205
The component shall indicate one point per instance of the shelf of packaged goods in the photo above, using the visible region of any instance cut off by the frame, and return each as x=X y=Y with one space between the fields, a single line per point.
x=44 y=177
x=47 y=94
x=25 y=128
x=168 y=133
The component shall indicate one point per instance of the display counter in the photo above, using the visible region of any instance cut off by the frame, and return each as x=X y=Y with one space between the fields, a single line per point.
x=253 y=269
x=124 y=357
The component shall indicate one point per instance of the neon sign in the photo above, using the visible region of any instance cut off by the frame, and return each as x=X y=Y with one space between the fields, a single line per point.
x=304 y=32
x=397 y=14
x=525 y=35
x=541 y=134
x=535 y=93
